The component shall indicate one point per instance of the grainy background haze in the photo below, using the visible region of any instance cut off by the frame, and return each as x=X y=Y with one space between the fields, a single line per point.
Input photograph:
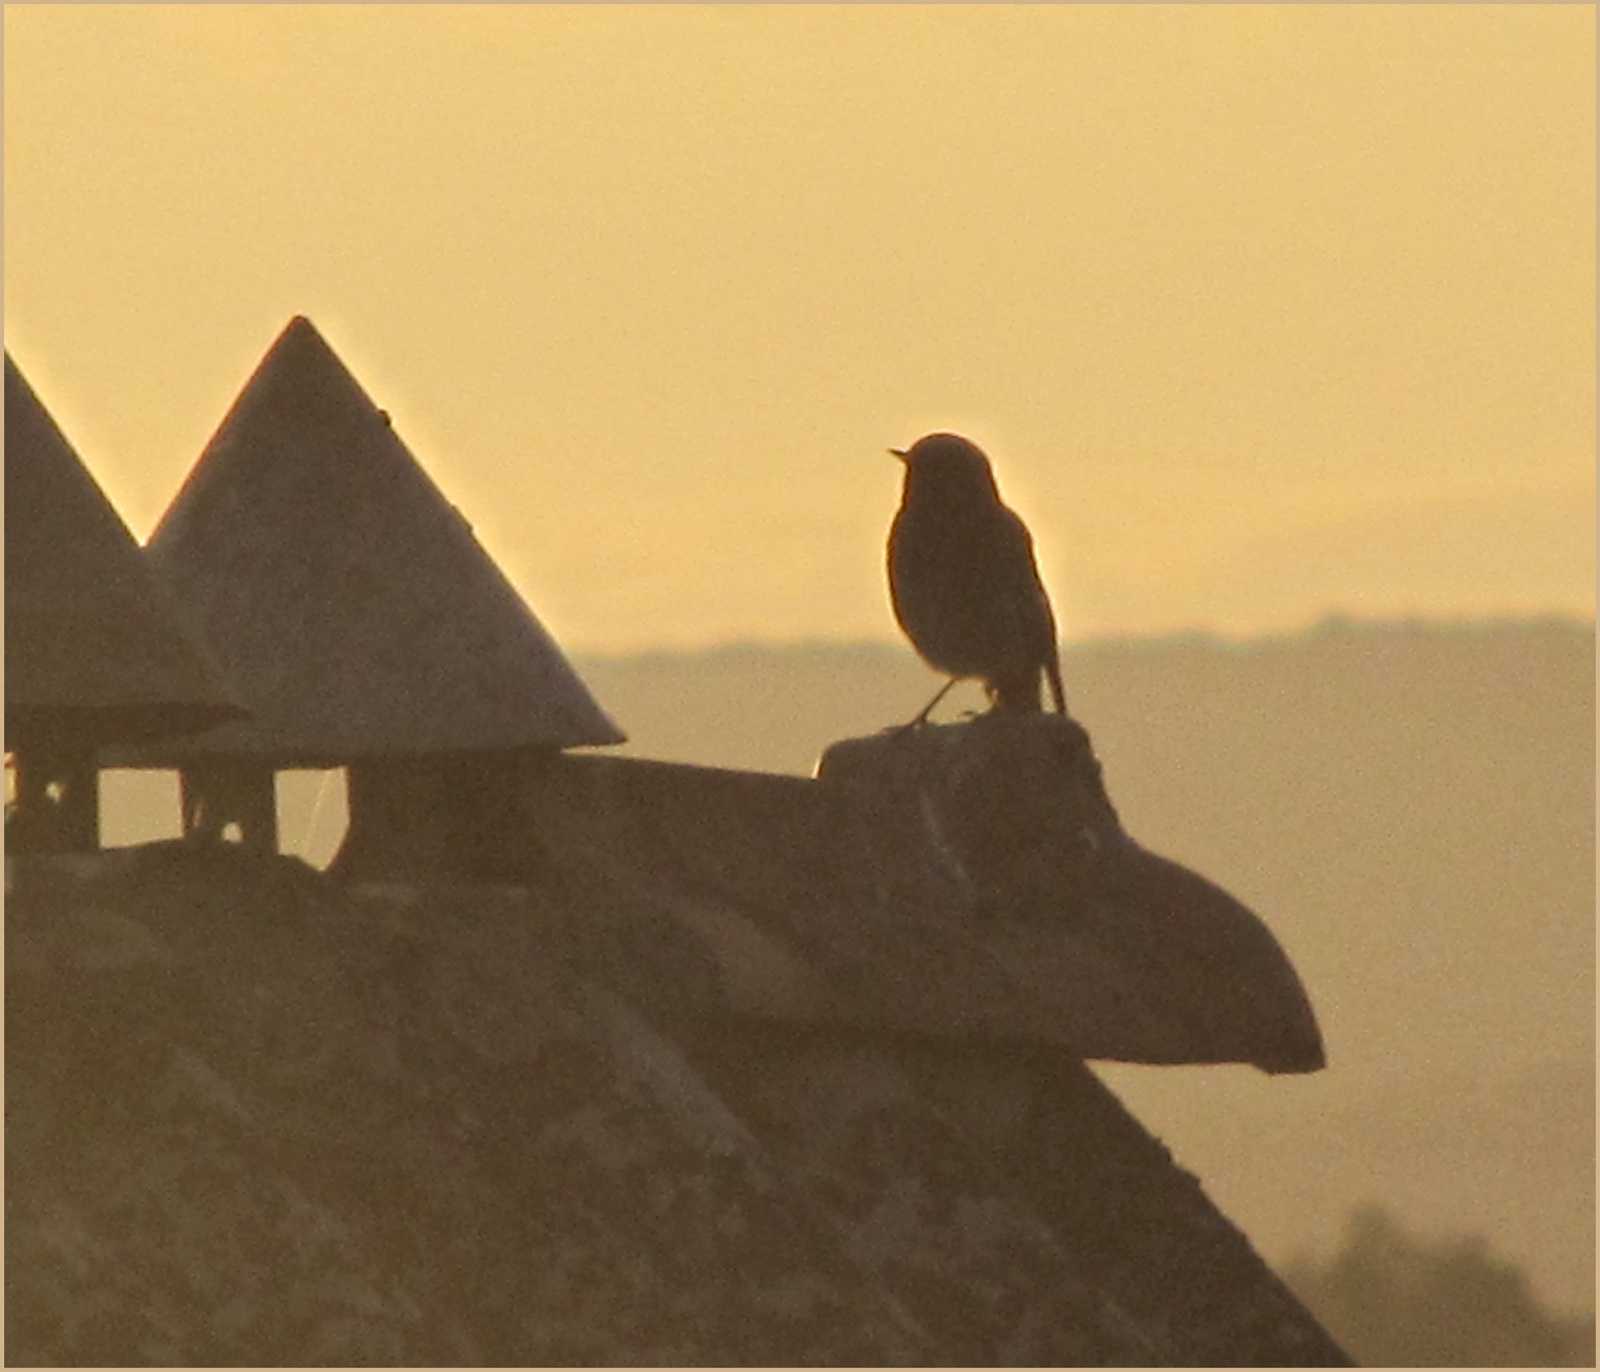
x=1264 y=312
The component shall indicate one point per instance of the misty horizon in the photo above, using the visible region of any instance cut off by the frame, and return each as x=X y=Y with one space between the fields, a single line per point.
x=1334 y=621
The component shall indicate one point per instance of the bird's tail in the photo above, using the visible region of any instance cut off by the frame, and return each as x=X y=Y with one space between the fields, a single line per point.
x=1052 y=669
x=1020 y=691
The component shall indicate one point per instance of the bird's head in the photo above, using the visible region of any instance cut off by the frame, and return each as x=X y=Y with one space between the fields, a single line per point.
x=947 y=467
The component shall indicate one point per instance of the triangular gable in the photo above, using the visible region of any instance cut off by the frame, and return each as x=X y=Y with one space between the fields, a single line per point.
x=341 y=591
x=95 y=652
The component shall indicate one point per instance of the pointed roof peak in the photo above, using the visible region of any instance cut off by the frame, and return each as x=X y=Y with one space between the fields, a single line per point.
x=302 y=332
x=94 y=646
x=301 y=370
x=344 y=594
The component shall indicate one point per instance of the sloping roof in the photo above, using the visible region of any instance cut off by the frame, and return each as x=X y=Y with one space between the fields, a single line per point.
x=344 y=595
x=419 y=1126
x=94 y=649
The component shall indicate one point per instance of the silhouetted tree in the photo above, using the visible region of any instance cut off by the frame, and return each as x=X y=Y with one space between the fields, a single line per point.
x=1394 y=1300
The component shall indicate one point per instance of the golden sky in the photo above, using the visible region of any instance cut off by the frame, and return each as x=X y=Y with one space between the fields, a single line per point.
x=1263 y=312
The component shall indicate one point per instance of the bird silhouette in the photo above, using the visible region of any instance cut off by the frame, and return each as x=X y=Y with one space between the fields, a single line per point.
x=963 y=580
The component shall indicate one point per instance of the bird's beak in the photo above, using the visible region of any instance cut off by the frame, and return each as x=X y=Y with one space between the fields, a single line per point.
x=898 y=452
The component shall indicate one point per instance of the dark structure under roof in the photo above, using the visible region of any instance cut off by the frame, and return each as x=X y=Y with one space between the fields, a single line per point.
x=344 y=595
x=94 y=651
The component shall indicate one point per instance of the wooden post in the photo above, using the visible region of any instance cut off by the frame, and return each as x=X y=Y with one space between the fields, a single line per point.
x=219 y=792
x=57 y=806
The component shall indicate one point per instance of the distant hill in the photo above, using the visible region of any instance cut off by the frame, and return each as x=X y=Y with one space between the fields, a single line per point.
x=1410 y=806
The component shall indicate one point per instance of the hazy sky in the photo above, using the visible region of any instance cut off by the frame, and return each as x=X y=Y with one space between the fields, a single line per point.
x=1262 y=312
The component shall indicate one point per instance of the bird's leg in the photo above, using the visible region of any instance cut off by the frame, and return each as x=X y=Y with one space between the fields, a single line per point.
x=928 y=708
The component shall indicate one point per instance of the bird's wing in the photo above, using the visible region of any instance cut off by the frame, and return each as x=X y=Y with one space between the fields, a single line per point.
x=1027 y=601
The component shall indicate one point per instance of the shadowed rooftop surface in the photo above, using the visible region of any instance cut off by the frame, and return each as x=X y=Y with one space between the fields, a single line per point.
x=259 y=1115
x=858 y=902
